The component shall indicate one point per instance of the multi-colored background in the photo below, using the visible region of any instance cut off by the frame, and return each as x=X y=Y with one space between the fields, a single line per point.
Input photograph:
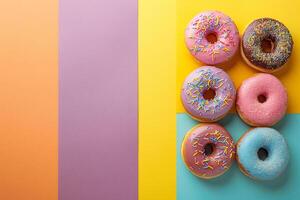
x=234 y=185
x=89 y=92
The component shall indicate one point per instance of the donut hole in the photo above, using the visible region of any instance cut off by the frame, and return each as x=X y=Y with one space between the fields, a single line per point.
x=209 y=94
x=212 y=37
x=262 y=98
x=268 y=45
x=209 y=149
x=262 y=154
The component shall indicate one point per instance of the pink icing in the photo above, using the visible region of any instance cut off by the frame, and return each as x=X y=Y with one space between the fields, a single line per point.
x=201 y=79
x=195 y=156
x=223 y=27
x=262 y=114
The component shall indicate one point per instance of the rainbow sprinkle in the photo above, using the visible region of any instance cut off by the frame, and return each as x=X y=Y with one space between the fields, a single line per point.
x=210 y=23
x=209 y=79
x=225 y=150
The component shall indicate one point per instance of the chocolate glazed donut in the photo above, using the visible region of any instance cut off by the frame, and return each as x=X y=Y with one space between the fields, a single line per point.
x=266 y=45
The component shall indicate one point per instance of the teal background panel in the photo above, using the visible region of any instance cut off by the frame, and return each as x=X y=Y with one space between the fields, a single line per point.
x=233 y=185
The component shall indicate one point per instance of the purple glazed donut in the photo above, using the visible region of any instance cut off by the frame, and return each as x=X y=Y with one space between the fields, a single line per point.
x=212 y=37
x=208 y=94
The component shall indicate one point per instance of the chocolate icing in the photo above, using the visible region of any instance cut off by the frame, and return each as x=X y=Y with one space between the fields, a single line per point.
x=267 y=29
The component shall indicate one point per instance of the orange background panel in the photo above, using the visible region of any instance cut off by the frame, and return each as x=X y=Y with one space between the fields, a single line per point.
x=28 y=101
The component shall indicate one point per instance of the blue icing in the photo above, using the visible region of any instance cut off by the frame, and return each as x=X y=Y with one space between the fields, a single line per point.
x=274 y=143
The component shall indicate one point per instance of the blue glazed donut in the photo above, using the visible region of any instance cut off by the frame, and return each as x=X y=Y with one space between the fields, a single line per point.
x=262 y=153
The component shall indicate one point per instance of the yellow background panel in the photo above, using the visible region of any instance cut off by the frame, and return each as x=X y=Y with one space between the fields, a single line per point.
x=157 y=100
x=28 y=102
x=162 y=54
x=242 y=12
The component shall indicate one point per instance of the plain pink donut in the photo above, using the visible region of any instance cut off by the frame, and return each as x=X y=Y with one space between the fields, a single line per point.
x=257 y=113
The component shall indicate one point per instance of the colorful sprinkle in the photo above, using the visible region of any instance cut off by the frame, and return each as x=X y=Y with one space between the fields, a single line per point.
x=217 y=23
x=206 y=78
x=267 y=29
x=225 y=150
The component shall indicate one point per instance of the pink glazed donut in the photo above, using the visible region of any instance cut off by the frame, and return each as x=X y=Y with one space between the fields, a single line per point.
x=208 y=150
x=261 y=100
x=212 y=37
x=208 y=94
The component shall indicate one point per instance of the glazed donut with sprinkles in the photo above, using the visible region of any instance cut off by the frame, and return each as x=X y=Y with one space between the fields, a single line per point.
x=212 y=37
x=208 y=150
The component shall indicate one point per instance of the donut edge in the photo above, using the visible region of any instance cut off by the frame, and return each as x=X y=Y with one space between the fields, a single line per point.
x=203 y=120
x=240 y=165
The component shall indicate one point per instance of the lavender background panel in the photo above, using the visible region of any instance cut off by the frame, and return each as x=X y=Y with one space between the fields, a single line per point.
x=98 y=100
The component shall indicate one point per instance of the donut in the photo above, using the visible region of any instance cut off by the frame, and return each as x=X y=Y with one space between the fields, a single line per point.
x=208 y=94
x=208 y=150
x=266 y=45
x=261 y=100
x=212 y=37
x=262 y=153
